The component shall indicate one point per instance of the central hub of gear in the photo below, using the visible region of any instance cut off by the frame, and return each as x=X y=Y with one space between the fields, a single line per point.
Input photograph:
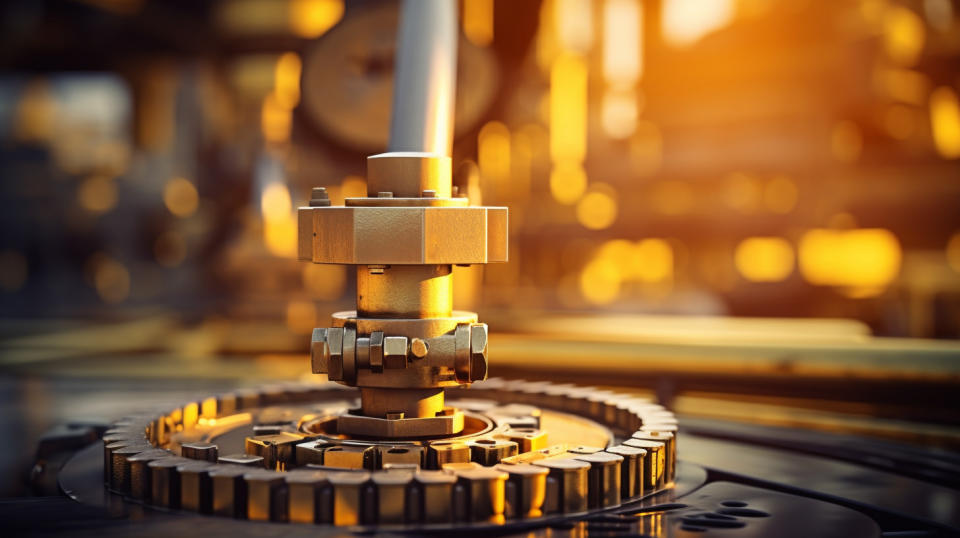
x=404 y=344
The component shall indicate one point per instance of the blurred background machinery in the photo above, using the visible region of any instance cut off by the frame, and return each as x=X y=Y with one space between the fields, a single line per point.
x=750 y=158
x=744 y=208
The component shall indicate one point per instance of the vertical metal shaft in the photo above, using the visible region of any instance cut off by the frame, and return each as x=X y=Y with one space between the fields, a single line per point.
x=425 y=77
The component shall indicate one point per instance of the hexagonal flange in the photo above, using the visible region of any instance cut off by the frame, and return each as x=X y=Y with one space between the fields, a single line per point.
x=402 y=235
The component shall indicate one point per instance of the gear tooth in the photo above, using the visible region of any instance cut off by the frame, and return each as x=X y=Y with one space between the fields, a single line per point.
x=195 y=487
x=140 y=472
x=347 y=501
x=603 y=487
x=567 y=485
x=669 y=450
x=485 y=494
x=631 y=470
x=435 y=496
x=266 y=496
x=229 y=491
x=526 y=489
x=120 y=465
x=653 y=462
x=165 y=481
x=390 y=494
x=305 y=497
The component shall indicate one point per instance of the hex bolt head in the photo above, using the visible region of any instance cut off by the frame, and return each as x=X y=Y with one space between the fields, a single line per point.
x=395 y=352
x=478 y=352
x=335 y=359
x=319 y=352
x=419 y=348
x=319 y=197
x=428 y=193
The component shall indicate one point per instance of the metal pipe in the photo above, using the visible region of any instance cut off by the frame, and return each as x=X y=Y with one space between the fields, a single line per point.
x=425 y=78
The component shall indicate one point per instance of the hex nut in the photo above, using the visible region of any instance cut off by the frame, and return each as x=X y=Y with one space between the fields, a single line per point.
x=335 y=360
x=395 y=352
x=319 y=352
x=478 y=352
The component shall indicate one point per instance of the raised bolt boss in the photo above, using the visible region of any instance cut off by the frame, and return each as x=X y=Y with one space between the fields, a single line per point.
x=404 y=343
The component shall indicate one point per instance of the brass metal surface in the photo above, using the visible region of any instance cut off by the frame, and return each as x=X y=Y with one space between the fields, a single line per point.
x=398 y=235
x=330 y=478
x=403 y=239
x=305 y=499
x=405 y=291
x=407 y=174
x=376 y=402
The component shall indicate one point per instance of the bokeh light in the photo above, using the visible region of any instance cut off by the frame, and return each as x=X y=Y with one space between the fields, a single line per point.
x=97 y=194
x=945 y=122
x=181 y=197
x=764 y=259
x=597 y=209
x=863 y=261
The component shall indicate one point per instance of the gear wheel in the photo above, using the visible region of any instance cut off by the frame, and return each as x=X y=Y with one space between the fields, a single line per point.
x=506 y=466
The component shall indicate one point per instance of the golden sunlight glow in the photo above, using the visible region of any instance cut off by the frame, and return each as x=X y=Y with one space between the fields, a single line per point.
x=312 y=18
x=493 y=152
x=275 y=203
x=673 y=198
x=846 y=142
x=622 y=43
x=568 y=127
x=764 y=259
x=286 y=80
x=546 y=44
x=97 y=194
x=742 y=193
x=654 y=260
x=353 y=187
x=276 y=120
x=279 y=222
x=618 y=113
x=905 y=85
x=646 y=148
x=523 y=152
x=945 y=122
x=780 y=195
x=568 y=182
x=903 y=35
x=597 y=210
x=323 y=281
x=301 y=316
x=478 y=21
x=181 y=197
x=686 y=21
x=568 y=109
x=600 y=281
x=624 y=253
x=901 y=121
x=574 y=24
x=864 y=260
x=953 y=252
